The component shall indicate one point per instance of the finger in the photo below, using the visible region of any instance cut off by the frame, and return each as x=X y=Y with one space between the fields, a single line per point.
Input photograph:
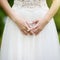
x=27 y=32
x=35 y=21
x=30 y=33
x=35 y=27
x=30 y=28
x=37 y=32
x=24 y=31
x=27 y=26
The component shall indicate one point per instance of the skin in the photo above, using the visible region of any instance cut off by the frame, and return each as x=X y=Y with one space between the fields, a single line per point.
x=14 y=17
x=25 y=26
x=42 y=23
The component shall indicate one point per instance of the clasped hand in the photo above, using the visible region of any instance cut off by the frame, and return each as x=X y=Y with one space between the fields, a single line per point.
x=35 y=27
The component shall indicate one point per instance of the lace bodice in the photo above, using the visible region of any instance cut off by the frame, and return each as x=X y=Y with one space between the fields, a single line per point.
x=29 y=3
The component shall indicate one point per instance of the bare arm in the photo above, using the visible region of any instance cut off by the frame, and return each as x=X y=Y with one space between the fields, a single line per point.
x=5 y=5
x=52 y=11
x=42 y=23
x=14 y=17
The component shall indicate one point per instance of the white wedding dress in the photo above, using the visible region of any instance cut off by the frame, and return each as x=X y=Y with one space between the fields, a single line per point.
x=17 y=46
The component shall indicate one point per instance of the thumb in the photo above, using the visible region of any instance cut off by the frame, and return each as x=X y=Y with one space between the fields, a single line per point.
x=35 y=21
x=27 y=25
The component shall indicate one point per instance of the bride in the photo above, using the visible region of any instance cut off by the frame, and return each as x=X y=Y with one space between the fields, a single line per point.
x=30 y=32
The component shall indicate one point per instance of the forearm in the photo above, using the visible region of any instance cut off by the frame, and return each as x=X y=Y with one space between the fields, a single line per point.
x=52 y=11
x=8 y=9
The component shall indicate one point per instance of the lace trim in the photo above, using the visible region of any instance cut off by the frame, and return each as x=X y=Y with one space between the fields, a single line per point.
x=27 y=3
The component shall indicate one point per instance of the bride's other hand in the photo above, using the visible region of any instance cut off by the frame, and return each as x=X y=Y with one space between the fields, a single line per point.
x=39 y=25
x=11 y=13
x=23 y=26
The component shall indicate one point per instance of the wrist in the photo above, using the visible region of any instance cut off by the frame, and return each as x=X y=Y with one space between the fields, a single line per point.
x=46 y=20
x=15 y=18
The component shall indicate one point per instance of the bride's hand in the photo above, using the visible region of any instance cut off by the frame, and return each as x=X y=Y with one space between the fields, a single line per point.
x=23 y=26
x=40 y=24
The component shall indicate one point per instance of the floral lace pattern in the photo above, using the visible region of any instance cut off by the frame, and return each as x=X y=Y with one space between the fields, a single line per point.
x=28 y=3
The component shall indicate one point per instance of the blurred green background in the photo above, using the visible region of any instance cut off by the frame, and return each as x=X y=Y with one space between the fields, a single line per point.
x=2 y=15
